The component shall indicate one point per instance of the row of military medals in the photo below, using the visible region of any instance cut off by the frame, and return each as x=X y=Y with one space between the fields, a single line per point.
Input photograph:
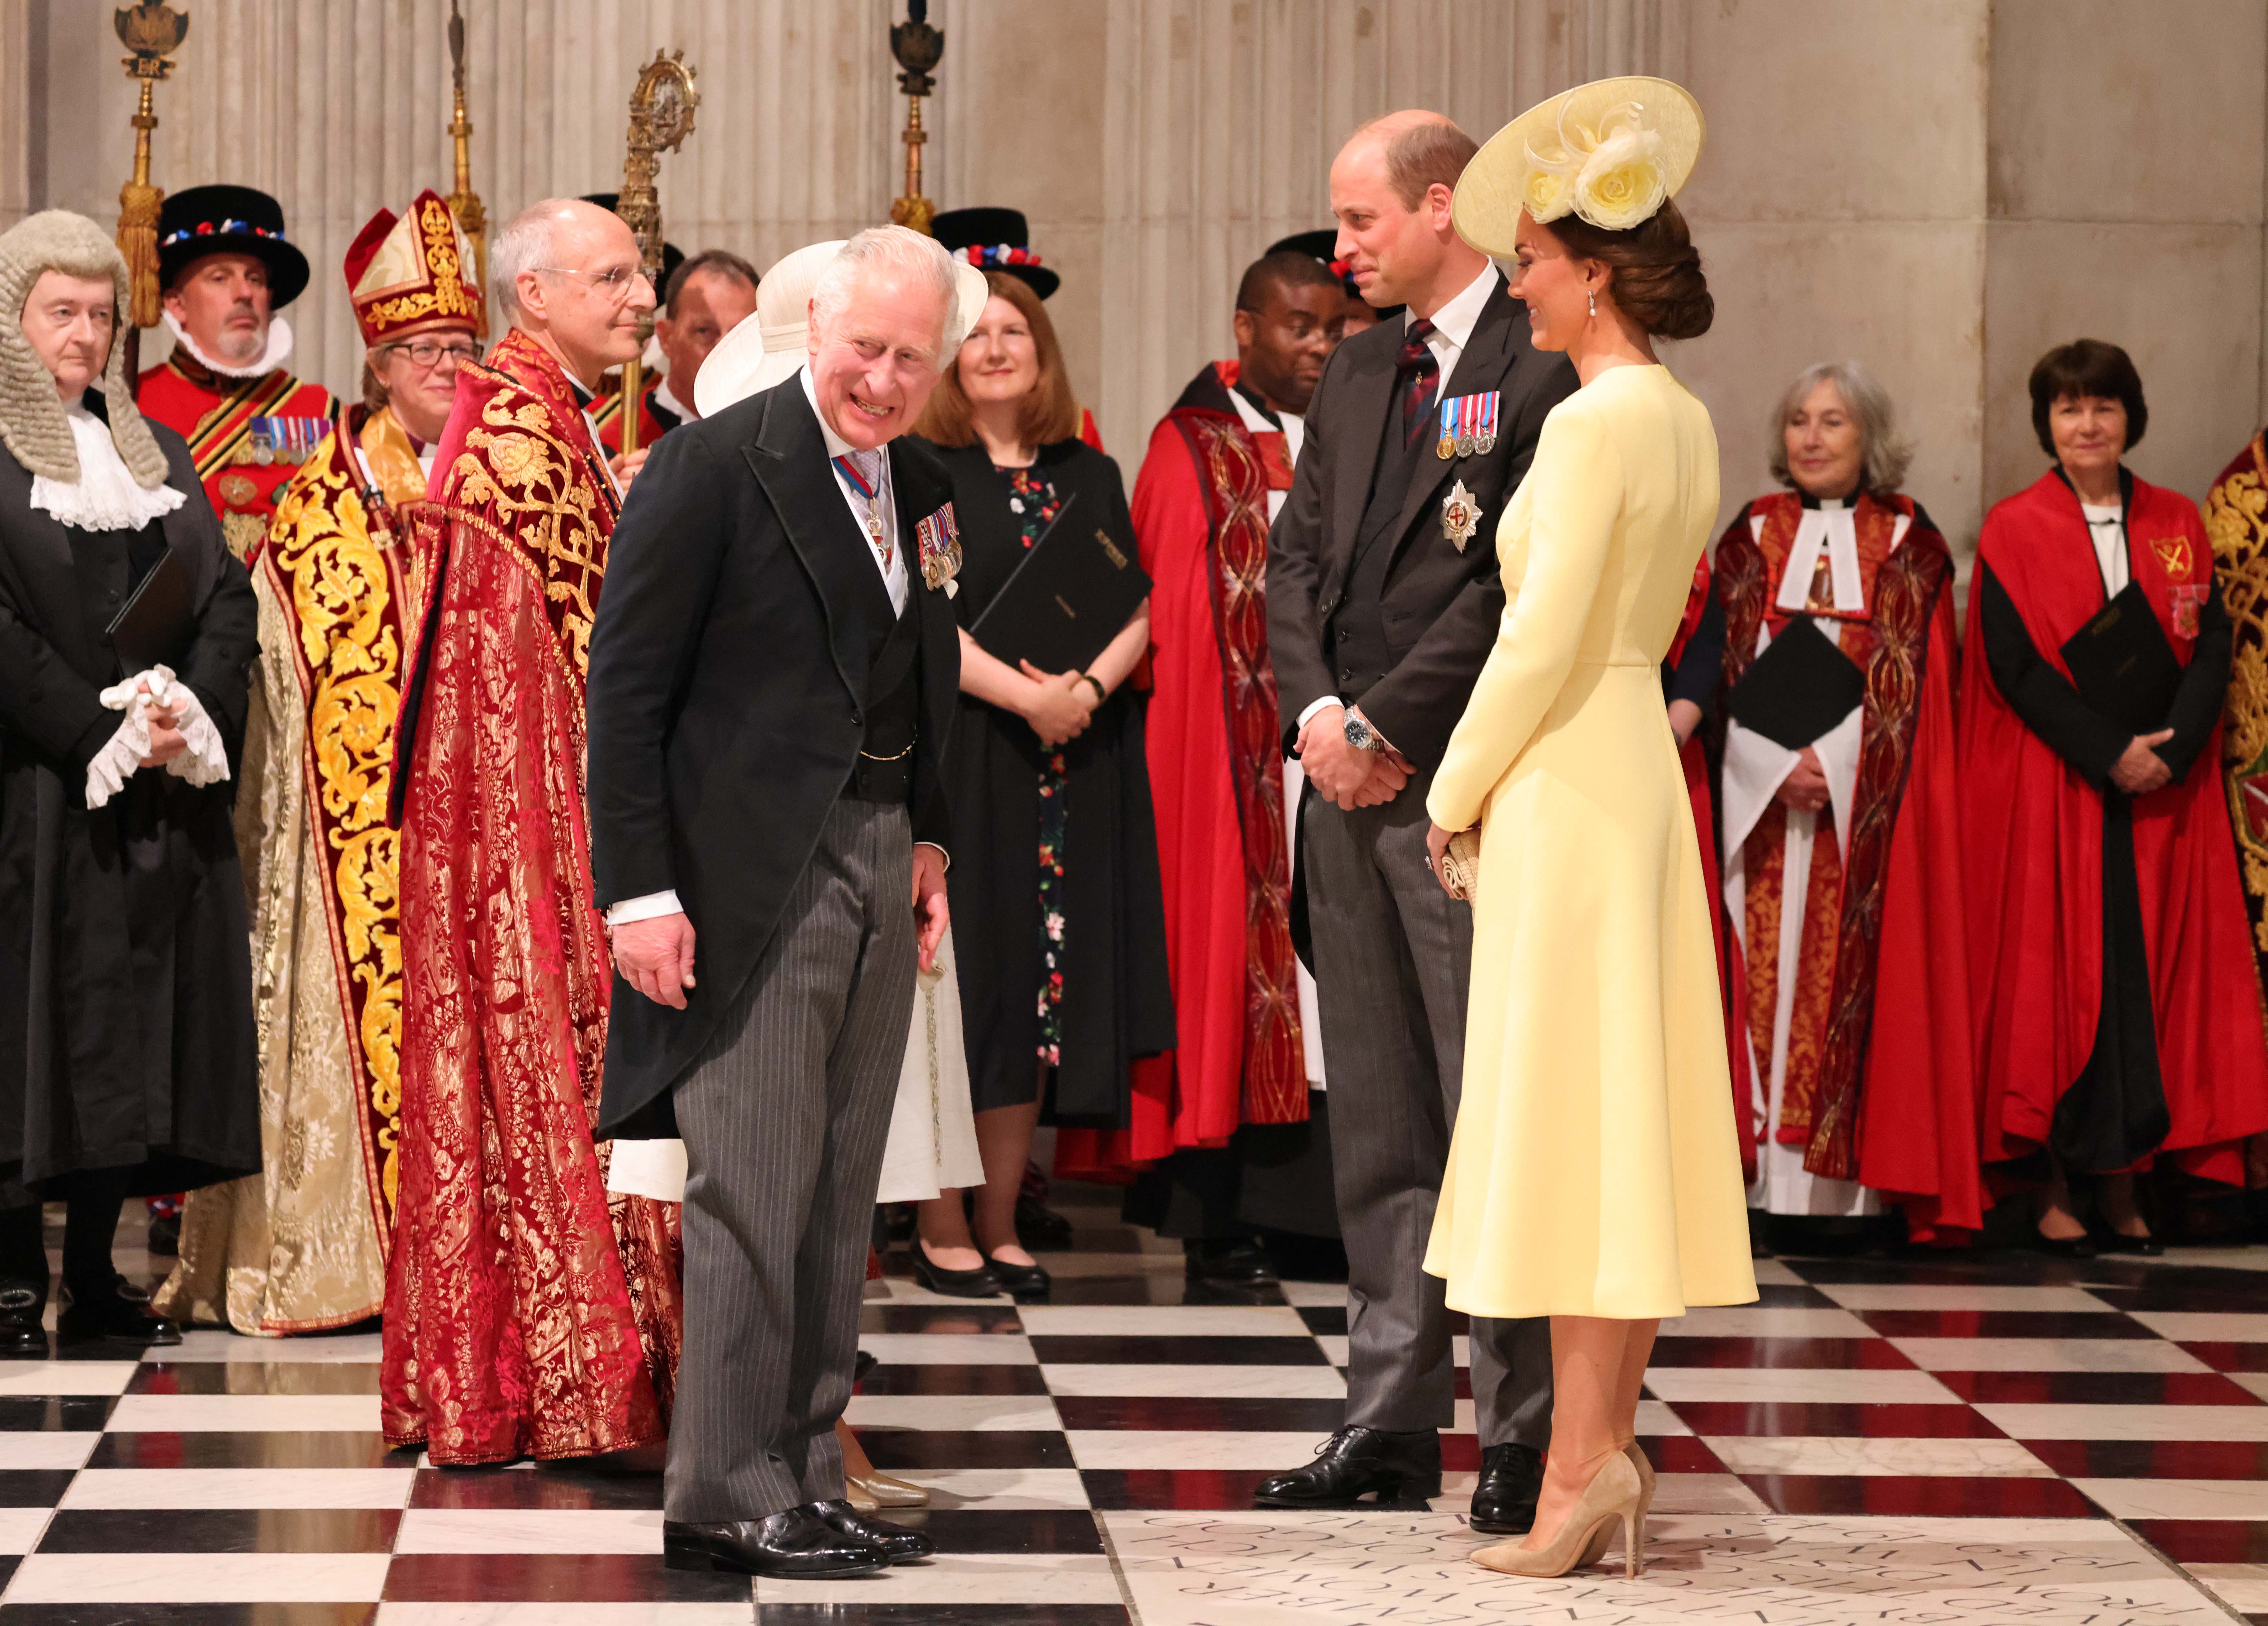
x=1468 y=429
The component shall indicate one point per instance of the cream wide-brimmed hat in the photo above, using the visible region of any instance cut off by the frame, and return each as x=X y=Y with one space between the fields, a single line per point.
x=1611 y=153
x=765 y=348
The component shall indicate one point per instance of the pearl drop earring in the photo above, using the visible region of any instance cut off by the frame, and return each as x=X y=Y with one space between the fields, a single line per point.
x=1593 y=299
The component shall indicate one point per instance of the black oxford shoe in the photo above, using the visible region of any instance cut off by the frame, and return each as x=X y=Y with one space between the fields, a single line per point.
x=1504 y=1500
x=22 y=1306
x=113 y=1318
x=1354 y=1463
x=1237 y=1262
x=794 y=1544
x=900 y=1544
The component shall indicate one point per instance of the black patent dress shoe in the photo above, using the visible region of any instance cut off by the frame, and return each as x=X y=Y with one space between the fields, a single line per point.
x=1503 y=1499
x=22 y=1306
x=1024 y=1283
x=903 y=1546
x=2144 y=1245
x=1239 y=1261
x=793 y=1544
x=112 y=1318
x=1357 y=1463
x=2063 y=1246
x=1039 y=1227
x=867 y=1362
x=978 y=1284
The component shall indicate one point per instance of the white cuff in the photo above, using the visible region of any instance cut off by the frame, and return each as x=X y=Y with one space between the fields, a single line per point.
x=204 y=762
x=945 y=856
x=1315 y=706
x=646 y=907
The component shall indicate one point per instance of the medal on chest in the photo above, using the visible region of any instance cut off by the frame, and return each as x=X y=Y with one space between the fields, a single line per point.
x=1468 y=426
x=237 y=490
x=1461 y=515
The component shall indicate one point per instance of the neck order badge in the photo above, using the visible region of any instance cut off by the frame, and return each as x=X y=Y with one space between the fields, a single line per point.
x=866 y=482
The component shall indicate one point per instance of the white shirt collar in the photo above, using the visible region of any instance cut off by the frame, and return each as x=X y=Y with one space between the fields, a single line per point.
x=1457 y=320
x=836 y=446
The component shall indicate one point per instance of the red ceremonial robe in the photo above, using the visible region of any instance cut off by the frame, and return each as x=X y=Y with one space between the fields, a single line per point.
x=2034 y=830
x=654 y=419
x=515 y=1299
x=1879 y=1049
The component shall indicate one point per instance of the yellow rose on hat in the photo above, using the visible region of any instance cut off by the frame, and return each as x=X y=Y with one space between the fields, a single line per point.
x=1549 y=196
x=1621 y=183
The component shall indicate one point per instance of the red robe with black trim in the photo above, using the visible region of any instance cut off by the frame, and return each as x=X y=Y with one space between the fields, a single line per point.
x=654 y=419
x=1880 y=1082
x=247 y=436
x=527 y=1314
x=2034 y=833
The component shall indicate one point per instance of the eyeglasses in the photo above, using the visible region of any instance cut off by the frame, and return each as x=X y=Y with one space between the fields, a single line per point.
x=427 y=353
x=614 y=282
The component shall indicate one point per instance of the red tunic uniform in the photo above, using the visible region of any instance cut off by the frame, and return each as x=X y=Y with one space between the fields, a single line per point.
x=2090 y=912
x=248 y=436
x=655 y=419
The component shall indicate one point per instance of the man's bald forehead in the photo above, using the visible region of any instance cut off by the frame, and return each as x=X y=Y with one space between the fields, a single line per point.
x=1381 y=131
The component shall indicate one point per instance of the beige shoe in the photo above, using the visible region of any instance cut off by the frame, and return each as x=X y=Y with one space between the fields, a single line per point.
x=1612 y=1495
x=883 y=1490
x=1605 y=1536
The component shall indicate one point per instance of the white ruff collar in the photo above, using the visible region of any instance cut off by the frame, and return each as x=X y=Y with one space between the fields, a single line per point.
x=104 y=498
x=272 y=355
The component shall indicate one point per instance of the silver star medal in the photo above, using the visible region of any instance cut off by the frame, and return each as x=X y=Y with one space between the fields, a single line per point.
x=1461 y=515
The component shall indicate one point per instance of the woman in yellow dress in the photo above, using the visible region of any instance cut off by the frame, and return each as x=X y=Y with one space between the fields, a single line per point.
x=1594 y=1176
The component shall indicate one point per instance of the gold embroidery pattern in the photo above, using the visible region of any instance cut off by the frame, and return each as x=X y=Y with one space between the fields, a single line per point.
x=523 y=476
x=2236 y=523
x=344 y=602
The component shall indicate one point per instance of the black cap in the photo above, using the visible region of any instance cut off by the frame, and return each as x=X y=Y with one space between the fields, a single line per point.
x=672 y=255
x=1323 y=245
x=197 y=221
x=995 y=240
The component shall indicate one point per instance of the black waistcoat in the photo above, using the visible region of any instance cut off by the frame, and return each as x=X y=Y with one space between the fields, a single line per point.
x=884 y=771
x=1357 y=629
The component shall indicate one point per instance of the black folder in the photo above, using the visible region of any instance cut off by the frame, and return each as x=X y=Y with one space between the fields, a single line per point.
x=157 y=626
x=2122 y=665
x=1798 y=688
x=1070 y=597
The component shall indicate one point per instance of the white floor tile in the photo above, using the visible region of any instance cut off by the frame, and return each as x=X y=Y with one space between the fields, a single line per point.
x=1838 y=1454
x=1654 y=1418
x=948 y=1349
x=66 y=1377
x=1315 y=1295
x=2047 y=1354
x=1767 y=1321
x=969 y=1577
x=1001 y=1489
x=2050 y=1421
x=1139 y=1320
x=1021 y=1412
x=2178 y=1498
x=1334 y=1347
x=20 y=1527
x=246 y=1414
x=1913 y=1296
x=529 y=1530
x=46 y=1448
x=563 y=1614
x=1194 y=1448
x=1776 y=1273
x=1825 y=1384
x=2256 y=1382
x=207 y=1343
x=1206 y=1382
x=240 y=1487
x=199 y=1578
x=2250 y=1597
x=2205 y=1326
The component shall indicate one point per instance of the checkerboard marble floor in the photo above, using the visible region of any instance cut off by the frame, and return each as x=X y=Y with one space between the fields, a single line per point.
x=1997 y=1439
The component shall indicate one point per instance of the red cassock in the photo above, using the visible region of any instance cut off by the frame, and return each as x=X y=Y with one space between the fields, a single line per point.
x=1200 y=511
x=525 y=1314
x=1880 y=1084
x=2034 y=830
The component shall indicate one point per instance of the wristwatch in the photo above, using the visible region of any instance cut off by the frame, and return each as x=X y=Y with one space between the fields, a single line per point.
x=1361 y=735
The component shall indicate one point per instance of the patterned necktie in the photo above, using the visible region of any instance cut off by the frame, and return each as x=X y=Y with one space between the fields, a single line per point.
x=868 y=467
x=1415 y=371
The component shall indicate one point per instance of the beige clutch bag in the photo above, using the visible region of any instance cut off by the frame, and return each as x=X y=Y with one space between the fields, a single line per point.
x=1460 y=864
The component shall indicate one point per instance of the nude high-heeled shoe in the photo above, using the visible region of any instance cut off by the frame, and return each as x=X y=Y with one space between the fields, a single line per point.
x=872 y=1491
x=1613 y=1494
x=1604 y=1536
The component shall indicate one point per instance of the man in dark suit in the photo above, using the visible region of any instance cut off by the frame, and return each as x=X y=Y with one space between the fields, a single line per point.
x=1383 y=600
x=773 y=670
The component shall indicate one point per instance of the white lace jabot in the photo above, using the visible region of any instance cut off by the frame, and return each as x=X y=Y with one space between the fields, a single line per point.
x=105 y=497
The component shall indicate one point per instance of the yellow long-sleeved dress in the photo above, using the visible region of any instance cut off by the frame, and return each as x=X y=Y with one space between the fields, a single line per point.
x=1594 y=1169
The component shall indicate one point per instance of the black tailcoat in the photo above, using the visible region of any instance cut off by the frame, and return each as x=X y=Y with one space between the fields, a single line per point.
x=126 y=1034
x=1442 y=606
x=726 y=696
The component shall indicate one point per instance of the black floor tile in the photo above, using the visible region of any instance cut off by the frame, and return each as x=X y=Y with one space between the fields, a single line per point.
x=34 y=1487
x=1008 y=1530
x=186 y=1613
x=2002 y=1324
x=1903 y=1496
x=221 y=1530
x=2096 y=1388
x=1779 y=1354
x=554 y=1578
x=1808 y=1417
x=1186 y=1489
x=2153 y=1459
x=486 y=1487
x=313 y=1448
x=80 y=1413
x=1239 y=1413
x=972 y=1379
x=978 y=1315
x=1325 y=1320
x=898 y=1450
x=2206 y=1541
x=1105 y=1350
x=255 y=1378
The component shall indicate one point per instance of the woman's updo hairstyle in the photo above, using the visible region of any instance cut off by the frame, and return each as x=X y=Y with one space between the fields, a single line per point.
x=1657 y=281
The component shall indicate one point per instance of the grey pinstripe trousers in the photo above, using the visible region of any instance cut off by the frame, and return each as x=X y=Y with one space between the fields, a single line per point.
x=784 y=1117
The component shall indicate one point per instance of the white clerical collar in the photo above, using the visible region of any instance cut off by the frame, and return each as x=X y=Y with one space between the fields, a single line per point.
x=1833 y=526
x=272 y=354
x=668 y=402
x=2101 y=513
x=836 y=446
x=1457 y=320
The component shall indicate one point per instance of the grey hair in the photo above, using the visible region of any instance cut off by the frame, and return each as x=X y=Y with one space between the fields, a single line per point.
x=33 y=426
x=892 y=248
x=1884 y=454
x=527 y=243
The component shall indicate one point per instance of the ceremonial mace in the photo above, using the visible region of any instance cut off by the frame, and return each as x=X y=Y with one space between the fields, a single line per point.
x=661 y=117
x=464 y=202
x=153 y=31
x=918 y=47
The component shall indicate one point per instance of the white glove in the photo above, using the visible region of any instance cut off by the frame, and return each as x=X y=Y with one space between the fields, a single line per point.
x=205 y=761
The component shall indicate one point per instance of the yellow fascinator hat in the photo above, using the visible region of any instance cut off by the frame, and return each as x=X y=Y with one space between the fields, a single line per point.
x=1611 y=153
